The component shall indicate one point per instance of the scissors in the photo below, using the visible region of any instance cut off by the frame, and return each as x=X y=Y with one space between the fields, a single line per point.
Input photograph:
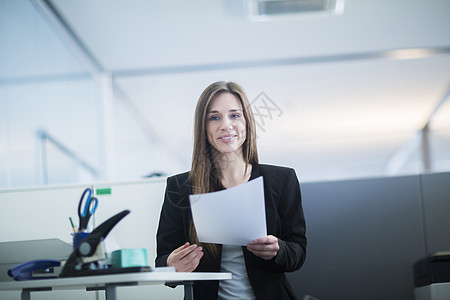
x=88 y=210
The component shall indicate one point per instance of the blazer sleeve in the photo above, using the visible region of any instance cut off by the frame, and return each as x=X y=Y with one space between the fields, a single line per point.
x=170 y=234
x=292 y=239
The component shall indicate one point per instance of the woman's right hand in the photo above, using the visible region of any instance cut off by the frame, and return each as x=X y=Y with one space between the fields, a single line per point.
x=185 y=258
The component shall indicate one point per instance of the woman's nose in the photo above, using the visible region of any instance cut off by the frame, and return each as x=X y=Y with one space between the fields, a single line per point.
x=226 y=124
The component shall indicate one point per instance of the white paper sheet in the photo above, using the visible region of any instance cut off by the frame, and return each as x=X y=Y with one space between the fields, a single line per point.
x=235 y=216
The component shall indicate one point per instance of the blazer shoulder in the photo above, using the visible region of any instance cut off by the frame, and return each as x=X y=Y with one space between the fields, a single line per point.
x=181 y=177
x=272 y=170
x=276 y=177
x=178 y=189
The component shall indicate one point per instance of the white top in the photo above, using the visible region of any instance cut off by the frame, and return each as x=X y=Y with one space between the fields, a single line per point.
x=239 y=286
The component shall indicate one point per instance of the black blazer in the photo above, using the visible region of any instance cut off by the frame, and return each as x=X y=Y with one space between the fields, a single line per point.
x=285 y=220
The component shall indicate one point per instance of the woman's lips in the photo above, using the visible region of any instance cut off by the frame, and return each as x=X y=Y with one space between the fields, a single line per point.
x=227 y=138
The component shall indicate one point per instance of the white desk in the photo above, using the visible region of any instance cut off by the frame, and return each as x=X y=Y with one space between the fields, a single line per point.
x=109 y=283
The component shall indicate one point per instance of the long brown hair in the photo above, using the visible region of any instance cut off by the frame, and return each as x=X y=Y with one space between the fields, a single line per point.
x=204 y=175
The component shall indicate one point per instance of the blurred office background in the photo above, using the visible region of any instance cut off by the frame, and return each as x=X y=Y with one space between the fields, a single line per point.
x=105 y=90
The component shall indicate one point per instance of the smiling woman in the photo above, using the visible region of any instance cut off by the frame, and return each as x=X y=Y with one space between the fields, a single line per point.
x=225 y=156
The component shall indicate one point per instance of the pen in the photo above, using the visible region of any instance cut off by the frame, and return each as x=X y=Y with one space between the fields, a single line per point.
x=73 y=226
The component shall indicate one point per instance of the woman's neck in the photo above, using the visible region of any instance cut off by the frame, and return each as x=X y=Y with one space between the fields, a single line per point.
x=233 y=169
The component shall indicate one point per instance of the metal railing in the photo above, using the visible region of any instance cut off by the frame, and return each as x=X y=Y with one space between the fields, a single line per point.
x=43 y=138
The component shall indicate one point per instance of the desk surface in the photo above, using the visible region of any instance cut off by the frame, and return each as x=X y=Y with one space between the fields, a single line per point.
x=144 y=278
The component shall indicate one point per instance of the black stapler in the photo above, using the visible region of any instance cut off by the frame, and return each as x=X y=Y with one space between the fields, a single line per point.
x=86 y=259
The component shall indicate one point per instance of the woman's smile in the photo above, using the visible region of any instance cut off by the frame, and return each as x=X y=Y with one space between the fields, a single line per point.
x=227 y=138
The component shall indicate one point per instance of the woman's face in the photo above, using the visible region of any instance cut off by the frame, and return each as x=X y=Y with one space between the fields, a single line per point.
x=225 y=123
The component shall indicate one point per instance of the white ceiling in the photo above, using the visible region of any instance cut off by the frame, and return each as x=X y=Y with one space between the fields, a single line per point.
x=126 y=35
x=345 y=106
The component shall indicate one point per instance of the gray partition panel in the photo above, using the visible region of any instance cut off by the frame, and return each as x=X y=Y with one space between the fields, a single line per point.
x=363 y=238
x=436 y=207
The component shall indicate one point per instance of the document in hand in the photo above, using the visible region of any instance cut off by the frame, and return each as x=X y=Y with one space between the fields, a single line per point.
x=235 y=216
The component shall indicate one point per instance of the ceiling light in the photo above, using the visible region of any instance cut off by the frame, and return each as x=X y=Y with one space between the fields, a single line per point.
x=410 y=53
x=260 y=10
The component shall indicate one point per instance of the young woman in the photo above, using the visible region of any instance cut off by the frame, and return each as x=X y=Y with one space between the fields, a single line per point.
x=225 y=156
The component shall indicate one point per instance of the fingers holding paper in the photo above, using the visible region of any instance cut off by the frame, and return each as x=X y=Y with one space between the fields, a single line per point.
x=266 y=247
x=185 y=258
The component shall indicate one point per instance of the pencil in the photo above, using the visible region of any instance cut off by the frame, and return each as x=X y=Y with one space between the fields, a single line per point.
x=73 y=226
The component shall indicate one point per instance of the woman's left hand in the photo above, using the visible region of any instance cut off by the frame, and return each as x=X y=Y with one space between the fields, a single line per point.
x=266 y=247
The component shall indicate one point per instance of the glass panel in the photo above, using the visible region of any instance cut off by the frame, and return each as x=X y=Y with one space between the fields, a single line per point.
x=440 y=139
x=66 y=111
x=43 y=87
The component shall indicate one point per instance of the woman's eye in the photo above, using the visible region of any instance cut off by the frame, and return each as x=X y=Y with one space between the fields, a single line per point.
x=213 y=118
x=235 y=116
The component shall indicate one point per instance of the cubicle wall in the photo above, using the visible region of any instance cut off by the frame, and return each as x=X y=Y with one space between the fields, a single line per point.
x=436 y=210
x=363 y=235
